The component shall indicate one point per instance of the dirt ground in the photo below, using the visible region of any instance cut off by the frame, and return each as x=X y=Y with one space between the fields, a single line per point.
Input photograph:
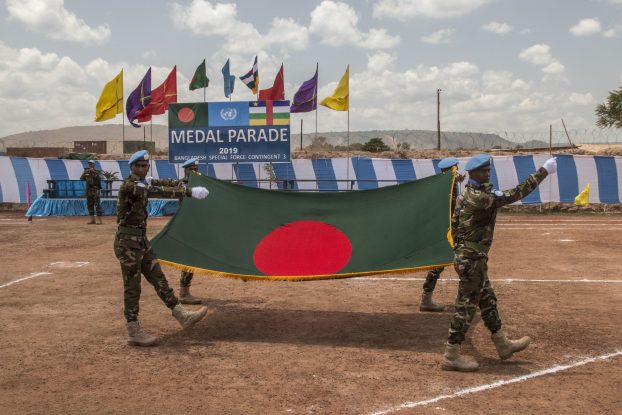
x=358 y=346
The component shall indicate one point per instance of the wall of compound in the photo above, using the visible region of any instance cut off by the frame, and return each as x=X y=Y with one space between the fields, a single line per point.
x=604 y=173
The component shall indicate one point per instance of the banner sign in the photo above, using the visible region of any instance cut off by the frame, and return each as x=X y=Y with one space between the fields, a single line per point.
x=229 y=132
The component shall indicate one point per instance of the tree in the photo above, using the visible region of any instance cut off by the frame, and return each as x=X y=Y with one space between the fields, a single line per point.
x=375 y=145
x=609 y=113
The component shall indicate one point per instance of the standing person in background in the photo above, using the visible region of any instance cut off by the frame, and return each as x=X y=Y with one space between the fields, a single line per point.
x=93 y=179
x=190 y=167
x=427 y=304
x=472 y=227
x=134 y=252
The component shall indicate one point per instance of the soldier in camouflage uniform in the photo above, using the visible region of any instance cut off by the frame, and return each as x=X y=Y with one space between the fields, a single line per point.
x=92 y=177
x=134 y=251
x=427 y=304
x=472 y=227
x=190 y=166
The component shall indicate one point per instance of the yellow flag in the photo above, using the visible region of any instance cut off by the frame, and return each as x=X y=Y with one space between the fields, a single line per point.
x=340 y=99
x=111 y=99
x=583 y=198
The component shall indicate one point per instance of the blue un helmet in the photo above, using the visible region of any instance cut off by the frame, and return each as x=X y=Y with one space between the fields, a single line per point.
x=190 y=163
x=477 y=162
x=142 y=155
x=447 y=163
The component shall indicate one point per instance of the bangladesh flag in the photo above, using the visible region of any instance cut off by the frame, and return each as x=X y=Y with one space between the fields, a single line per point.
x=199 y=79
x=188 y=115
x=251 y=233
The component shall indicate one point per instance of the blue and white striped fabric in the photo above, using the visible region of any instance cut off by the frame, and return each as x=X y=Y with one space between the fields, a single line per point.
x=604 y=173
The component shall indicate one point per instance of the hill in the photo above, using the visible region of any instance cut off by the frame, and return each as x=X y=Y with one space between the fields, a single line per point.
x=113 y=133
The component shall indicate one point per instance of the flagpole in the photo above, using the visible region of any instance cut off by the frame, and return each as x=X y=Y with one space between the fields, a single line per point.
x=123 y=129
x=204 y=94
x=123 y=123
x=348 y=138
x=348 y=134
x=317 y=80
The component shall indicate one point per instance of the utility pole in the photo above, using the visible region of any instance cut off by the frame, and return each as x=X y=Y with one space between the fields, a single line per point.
x=438 y=119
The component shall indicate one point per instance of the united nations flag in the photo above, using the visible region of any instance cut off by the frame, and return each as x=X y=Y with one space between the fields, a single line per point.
x=228 y=114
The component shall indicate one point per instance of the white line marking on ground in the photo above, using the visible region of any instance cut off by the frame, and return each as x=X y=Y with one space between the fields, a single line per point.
x=499 y=383
x=507 y=280
x=567 y=240
x=33 y=275
x=63 y=264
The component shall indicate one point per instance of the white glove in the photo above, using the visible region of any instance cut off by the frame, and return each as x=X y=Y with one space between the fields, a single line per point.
x=550 y=165
x=199 y=192
x=148 y=180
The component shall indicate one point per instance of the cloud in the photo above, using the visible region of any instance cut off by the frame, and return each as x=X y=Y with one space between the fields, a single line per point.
x=498 y=28
x=383 y=94
x=334 y=22
x=611 y=33
x=46 y=90
x=438 y=37
x=337 y=25
x=540 y=55
x=581 y=99
x=221 y=19
x=586 y=27
x=553 y=68
x=50 y=18
x=385 y=97
x=405 y=9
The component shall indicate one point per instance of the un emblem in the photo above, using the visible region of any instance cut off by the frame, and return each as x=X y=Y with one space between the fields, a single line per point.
x=228 y=113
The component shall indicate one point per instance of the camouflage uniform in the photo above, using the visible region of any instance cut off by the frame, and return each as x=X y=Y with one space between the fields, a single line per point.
x=435 y=274
x=186 y=277
x=131 y=245
x=92 y=177
x=472 y=227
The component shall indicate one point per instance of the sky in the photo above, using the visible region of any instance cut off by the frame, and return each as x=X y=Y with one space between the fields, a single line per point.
x=502 y=65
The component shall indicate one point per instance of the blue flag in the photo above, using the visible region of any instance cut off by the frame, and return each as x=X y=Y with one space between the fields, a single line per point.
x=227 y=114
x=229 y=79
x=139 y=99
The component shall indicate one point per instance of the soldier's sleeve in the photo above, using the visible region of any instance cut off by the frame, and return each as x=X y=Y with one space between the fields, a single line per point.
x=168 y=191
x=166 y=182
x=523 y=189
x=455 y=217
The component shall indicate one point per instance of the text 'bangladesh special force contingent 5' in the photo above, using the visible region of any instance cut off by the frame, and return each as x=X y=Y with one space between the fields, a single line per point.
x=474 y=214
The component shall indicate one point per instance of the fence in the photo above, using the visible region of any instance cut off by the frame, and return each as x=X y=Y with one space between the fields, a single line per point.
x=604 y=173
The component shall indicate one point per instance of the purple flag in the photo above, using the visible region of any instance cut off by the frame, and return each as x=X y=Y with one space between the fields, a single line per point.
x=139 y=99
x=305 y=99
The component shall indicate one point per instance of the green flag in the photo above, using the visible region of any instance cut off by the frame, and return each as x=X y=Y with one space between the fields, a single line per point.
x=200 y=79
x=251 y=233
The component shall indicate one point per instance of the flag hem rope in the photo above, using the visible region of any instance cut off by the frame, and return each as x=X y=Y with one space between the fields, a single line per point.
x=296 y=278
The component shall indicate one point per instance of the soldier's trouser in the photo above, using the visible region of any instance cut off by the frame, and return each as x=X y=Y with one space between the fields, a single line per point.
x=93 y=203
x=431 y=278
x=474 y=290
x=136 y=256
x=186 y=279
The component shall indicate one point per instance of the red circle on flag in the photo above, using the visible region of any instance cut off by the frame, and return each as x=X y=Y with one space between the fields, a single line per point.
x=185 y=114
x=303 y=247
